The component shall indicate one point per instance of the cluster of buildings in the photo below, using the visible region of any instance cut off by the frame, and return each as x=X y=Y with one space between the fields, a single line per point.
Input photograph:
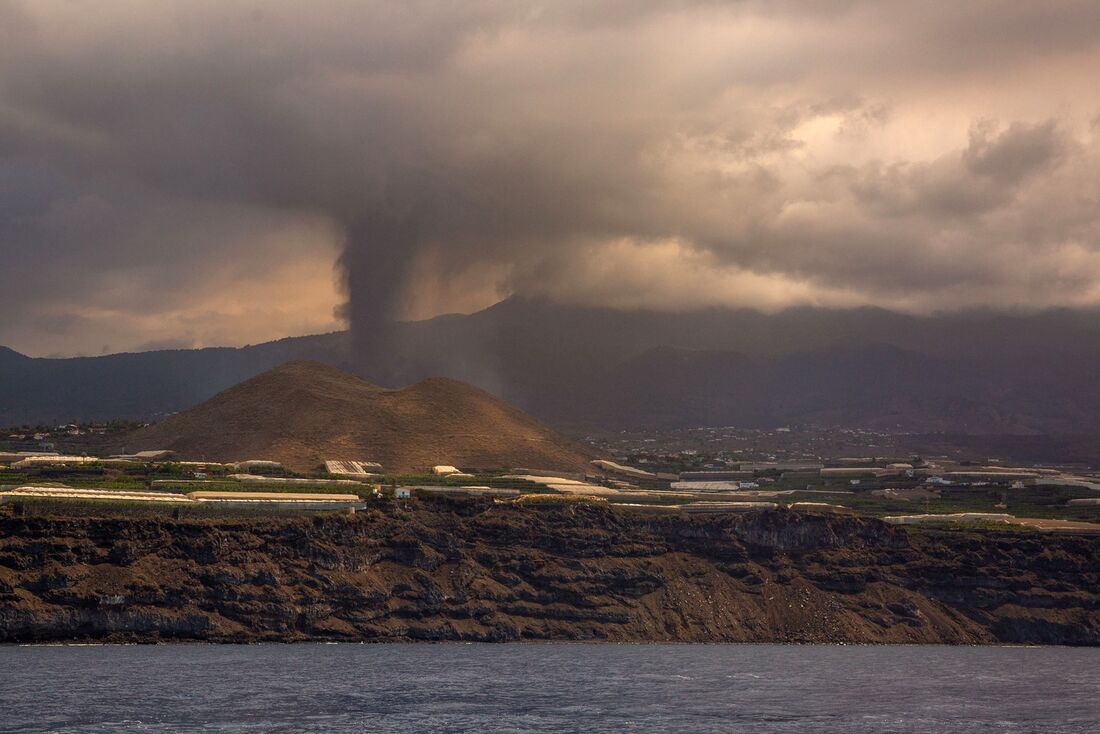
x=870 y=473
x=731 y=487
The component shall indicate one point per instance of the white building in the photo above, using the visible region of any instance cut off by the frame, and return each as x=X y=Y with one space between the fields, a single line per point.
x=33 y=461
x=442 y=470
x=257 y=464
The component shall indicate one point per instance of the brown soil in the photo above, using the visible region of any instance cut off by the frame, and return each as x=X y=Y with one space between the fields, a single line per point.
x=305 y=412
x=477 y=570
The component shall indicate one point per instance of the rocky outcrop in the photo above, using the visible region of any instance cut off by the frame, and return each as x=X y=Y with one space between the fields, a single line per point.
x=474 y=570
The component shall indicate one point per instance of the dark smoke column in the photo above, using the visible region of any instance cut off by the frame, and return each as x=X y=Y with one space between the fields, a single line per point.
x=376 y=259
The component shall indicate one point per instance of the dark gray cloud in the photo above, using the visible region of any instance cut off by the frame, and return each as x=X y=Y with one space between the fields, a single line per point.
x=191 y=171
x=985 y=175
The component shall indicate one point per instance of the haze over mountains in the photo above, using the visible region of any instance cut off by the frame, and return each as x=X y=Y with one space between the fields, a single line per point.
x=971 y=372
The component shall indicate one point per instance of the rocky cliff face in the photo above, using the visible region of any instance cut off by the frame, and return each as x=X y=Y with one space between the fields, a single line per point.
x=471 y=570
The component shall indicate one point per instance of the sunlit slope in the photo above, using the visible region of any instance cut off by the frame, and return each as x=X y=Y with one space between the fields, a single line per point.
x=304 y=412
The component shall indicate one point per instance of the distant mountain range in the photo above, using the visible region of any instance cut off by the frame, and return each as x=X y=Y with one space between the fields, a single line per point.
x=976 y=372
x=143 y=385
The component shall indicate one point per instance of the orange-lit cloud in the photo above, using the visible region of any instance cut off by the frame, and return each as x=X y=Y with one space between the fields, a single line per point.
x=187 y=172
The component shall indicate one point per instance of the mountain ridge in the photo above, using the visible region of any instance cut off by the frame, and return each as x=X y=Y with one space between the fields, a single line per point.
x=973 y=372
x=304 y=412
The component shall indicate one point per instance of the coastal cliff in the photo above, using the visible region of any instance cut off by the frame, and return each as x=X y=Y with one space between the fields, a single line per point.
x=474 y=570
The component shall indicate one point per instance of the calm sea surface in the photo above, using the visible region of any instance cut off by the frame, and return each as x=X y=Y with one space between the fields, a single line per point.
x=548 y=688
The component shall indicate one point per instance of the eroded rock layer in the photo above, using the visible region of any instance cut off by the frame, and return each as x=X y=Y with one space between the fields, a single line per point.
x=473 y=570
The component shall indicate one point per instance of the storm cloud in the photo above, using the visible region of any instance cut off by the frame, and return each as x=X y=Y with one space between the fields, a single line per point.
x=200 y=172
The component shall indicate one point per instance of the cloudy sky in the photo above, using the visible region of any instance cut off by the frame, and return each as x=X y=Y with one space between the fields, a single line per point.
x=201 y=172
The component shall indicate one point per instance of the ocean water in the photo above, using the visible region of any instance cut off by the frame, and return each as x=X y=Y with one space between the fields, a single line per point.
x=548 y=688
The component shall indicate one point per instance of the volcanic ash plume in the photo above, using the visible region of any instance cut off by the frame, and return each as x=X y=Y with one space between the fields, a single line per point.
x=664 y=155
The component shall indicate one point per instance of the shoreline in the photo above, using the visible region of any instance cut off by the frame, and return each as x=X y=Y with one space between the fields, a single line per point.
x=524 y=643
